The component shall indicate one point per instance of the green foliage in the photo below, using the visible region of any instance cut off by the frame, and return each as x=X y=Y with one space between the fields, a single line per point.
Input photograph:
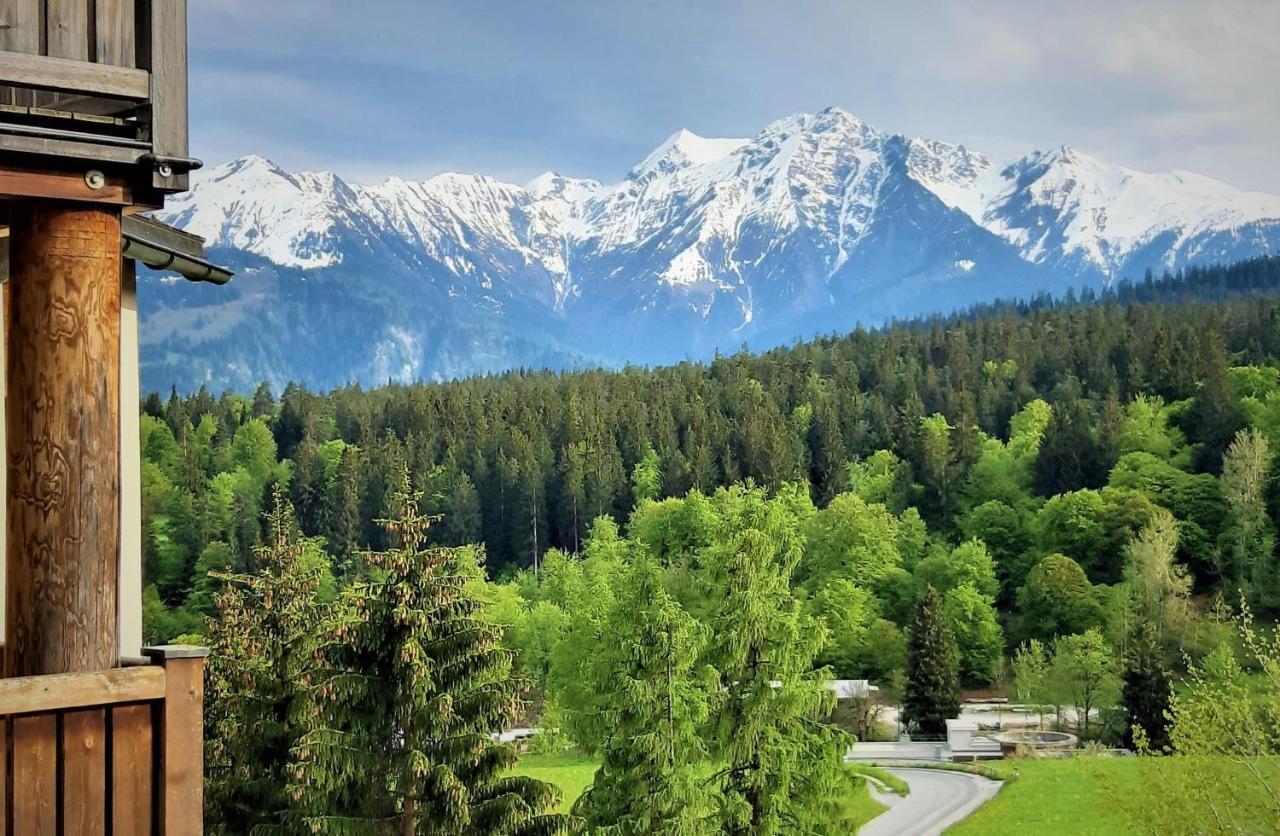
x=967 y=564
x=423 y=684
x=1085 y=673
x=1101 y=512
x=851 y=539
x=265 y=672
x=1030 y=667
x=979 y=638
x=933 y=688
x=1249 y=534
x=1058 y=599
x=1093 y=528
x=848 y=612
x=1158 y=587
x=1147 y=692
x=1222 y=773
x=652 y=700
x=1006 y=532
x=781 y=764
x=879 y=479
x=646 y=478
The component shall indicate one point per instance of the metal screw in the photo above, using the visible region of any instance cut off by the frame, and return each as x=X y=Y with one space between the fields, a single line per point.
x=164 y=170
x=95 y=179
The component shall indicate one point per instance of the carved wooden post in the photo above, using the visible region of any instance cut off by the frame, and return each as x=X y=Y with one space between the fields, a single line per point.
x=180 y=768
x=63 y=436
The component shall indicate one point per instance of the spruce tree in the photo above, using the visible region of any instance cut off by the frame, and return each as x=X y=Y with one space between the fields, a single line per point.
x=344 y=519
x=933 y=687
x=425 y=685
x=651 y=701
x=1147 y=692
x=265 y=668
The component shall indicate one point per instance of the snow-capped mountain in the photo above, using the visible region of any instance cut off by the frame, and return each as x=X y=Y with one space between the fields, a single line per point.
x=817 y=223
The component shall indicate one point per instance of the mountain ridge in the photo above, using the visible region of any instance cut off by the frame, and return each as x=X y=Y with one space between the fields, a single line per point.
x=818 y=222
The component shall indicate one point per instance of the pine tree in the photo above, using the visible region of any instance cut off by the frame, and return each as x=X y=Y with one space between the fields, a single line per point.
x=265 y=668
x=344 y=518
x=1147 y=691
x=651 y=701
x=263 y=402
x=426 y=684
x=933 y=689
x=1215 y=415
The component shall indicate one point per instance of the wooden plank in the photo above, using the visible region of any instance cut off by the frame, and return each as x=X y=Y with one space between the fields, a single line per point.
x=67 y=29
x=167 y=61
x=4 y=776
x=114 y=30
x=84 y=772
x=132 y=771
x=58 y=692
x=62 y=186
x=83 y=152
x=181 y=764
x=20 y=22
x=35 y=775
x=62 y=74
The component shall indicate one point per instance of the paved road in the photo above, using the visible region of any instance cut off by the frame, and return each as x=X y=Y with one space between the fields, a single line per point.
x=938 y=799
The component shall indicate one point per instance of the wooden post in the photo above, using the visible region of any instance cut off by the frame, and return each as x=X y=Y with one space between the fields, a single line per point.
x=62 y=438
x=180 y=769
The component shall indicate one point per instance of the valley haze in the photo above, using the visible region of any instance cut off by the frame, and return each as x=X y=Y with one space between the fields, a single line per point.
x=818 y=223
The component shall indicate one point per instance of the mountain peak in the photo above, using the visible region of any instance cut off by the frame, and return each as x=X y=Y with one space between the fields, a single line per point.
x=685 y=148
x=833 y=116
x=250 y=163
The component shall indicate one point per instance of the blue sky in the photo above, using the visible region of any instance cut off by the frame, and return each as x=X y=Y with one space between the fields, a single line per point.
x=381 y=87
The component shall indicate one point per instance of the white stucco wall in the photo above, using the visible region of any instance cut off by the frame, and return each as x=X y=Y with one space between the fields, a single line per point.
x=130 y=578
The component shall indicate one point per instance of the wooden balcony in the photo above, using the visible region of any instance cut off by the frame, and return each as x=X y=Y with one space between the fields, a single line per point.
x=117 y=751
x=100 y=83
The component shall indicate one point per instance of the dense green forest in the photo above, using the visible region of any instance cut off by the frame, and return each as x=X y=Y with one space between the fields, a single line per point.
x=1125 y=407
x=1068 y=502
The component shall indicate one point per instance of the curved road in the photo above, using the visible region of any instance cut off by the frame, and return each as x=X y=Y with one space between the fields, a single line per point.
x=938 y=799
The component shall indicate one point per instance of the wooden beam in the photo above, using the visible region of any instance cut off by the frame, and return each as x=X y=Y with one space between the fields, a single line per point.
x=85 y=151
x=62 y=185
x=62 y=691
x=181 y=765
x=63 y=438
x=166 y=49
x=62 y=74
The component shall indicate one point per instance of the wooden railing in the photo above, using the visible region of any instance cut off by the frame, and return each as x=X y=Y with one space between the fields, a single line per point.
x=109 y=752
x=104 y=81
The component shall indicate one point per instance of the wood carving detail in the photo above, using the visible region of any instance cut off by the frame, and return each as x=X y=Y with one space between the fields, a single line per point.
x=63 y=425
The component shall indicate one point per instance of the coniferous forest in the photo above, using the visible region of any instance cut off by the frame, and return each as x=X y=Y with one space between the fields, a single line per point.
x=1063 y=498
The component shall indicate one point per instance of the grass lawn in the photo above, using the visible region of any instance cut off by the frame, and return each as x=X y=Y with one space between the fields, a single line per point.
x=573 y=773
x=858 y=808
x=1062 y=797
